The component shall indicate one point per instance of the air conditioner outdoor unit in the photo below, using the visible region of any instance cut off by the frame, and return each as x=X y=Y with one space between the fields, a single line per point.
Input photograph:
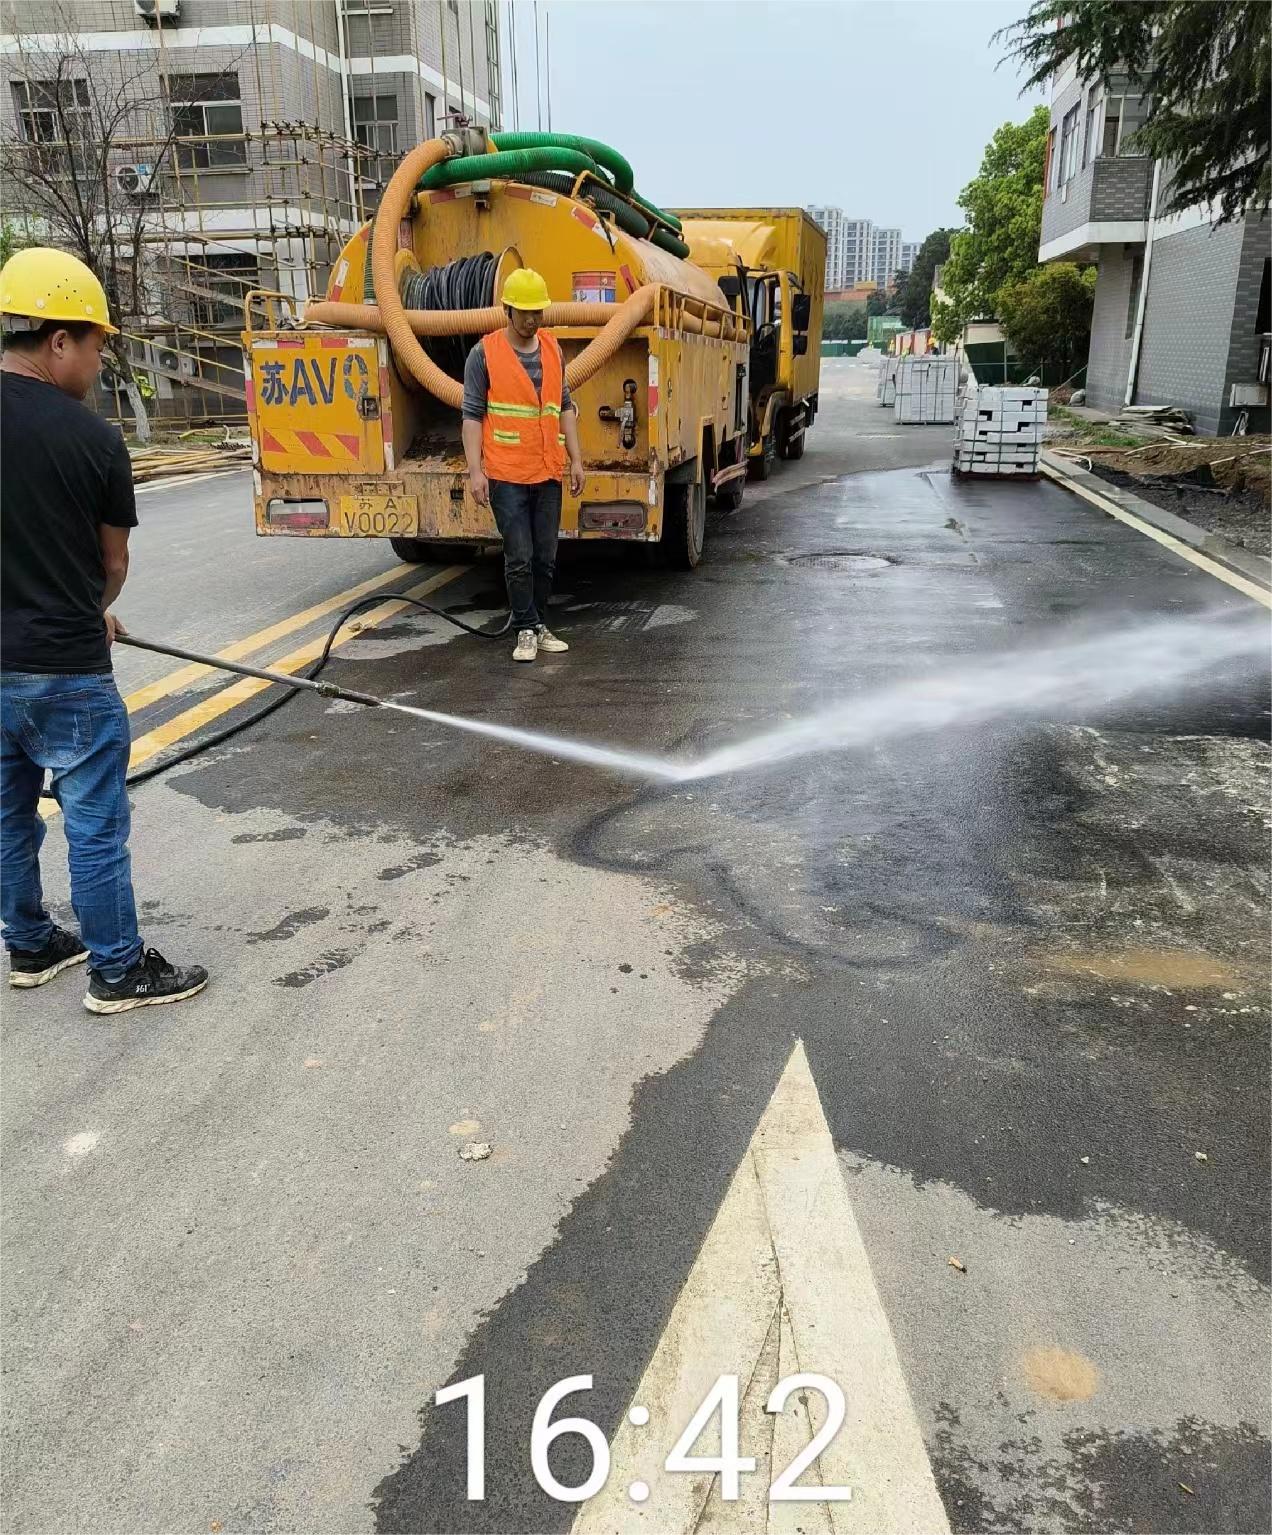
x=172 y=361
x=158 y=10
x=134 y=180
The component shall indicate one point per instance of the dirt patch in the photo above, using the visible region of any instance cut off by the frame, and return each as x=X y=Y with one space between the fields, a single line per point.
x=1176 y=969
x=1220 y=483
x=1060 y=1376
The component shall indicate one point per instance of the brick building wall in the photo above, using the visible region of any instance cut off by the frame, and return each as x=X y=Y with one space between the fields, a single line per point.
x=1110 y=346
x=1243 y=351
x=1188 y=322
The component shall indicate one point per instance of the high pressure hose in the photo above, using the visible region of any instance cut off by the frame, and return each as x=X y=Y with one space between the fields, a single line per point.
x=373 y=599
x=468 y=283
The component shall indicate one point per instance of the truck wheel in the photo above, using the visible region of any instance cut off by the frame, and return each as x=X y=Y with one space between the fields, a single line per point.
x=760 y=468
x=418 y=551
x=788 y=447
x=684 y=524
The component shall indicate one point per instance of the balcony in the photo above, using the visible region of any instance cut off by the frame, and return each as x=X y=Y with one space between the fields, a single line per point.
x=1106 y=203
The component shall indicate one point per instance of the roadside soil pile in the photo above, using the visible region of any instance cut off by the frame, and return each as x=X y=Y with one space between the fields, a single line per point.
x=1223 y=484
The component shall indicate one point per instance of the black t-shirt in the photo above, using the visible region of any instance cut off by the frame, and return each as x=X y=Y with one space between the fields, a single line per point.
x=63 y=471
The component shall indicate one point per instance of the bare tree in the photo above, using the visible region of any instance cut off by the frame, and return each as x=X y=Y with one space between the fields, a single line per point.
x=80 y=116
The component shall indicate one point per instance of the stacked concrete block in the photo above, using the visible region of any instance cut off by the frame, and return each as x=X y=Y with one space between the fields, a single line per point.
x=886 y=385
x=1000 y=431
x=926 y=390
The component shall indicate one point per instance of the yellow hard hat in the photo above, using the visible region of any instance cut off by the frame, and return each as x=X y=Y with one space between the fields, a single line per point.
x=525 y=289
x=41 y=283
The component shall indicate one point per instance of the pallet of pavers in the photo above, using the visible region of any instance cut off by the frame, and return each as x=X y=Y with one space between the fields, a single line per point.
x=886 y=385
x=926 y=391
x=1000 y=432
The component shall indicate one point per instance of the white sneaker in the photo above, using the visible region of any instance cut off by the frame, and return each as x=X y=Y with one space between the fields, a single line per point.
x=549 y=642
x=527 y=645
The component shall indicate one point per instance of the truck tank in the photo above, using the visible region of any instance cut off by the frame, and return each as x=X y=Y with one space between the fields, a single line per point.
x=655 y=355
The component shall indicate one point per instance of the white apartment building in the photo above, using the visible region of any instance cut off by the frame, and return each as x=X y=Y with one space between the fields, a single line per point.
x=831 y=220
x=857 y=252
x=885 y=256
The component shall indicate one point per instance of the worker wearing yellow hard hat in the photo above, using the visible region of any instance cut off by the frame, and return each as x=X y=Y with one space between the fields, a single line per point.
x=66 y=510
x=520 y=427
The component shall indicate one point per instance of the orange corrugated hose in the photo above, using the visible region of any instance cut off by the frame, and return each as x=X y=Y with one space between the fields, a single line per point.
x=404 y=327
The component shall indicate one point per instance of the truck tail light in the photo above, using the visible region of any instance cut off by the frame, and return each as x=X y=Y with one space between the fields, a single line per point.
x=284 y=513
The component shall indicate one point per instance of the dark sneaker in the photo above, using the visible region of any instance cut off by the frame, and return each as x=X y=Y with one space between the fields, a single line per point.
x=151 y=982
x=32 y=969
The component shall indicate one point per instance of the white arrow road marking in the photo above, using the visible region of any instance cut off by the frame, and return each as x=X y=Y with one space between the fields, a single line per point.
x=782 y=1285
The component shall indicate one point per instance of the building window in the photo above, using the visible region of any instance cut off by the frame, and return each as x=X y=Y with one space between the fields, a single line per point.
x=1124 y=116
x=1047 y=182
x=57 y=114
x=1068 y=147
x=494 y=89
x=375 y=128
x=430 y=116
x=207 y=112
x=216 y=282
x=1263 y=319
x=1137 y=282
x=1088 y=136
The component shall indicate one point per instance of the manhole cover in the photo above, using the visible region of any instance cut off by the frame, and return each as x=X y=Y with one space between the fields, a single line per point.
x=842 y=559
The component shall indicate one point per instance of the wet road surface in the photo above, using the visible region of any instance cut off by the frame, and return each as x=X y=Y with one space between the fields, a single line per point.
x=1027 y=963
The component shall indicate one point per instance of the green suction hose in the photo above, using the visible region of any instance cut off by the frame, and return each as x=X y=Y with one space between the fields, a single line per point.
x=658 y=213
x=613 y=162
x=507 y=165
x=625 y=216
x=665 y=240
x=616 y=164
x=538 y=153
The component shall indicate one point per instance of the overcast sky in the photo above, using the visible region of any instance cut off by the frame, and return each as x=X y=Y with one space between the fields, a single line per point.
x=881 y=107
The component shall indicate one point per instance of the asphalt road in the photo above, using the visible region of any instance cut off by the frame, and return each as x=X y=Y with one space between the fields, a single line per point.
x=1011 y=1194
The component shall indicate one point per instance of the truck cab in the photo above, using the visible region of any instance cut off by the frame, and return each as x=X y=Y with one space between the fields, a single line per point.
x=771 y=263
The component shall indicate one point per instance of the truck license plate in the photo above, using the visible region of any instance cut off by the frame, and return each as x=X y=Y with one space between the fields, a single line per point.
x=379 y=516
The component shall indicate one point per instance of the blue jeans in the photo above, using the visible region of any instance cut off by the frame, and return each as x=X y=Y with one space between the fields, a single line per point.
x=528 y=518
x=76 y=728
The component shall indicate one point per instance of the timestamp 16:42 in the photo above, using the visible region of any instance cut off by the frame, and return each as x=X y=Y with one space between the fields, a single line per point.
x=729 y=1464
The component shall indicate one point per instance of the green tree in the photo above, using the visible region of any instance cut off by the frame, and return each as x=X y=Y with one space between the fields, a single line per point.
x=11 y=239
x=1004 y=221
x=1047 y=316
x=843 y=322
x=1205 y=68
x=915 y=290
x=877 y=302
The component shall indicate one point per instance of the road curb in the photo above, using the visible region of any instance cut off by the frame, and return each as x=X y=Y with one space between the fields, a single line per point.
x=1254 y=567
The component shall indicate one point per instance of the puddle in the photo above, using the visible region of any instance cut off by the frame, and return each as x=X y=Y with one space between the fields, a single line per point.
x=1179 y=969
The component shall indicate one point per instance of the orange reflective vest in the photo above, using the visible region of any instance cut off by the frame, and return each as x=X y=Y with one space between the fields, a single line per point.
x=521 y=437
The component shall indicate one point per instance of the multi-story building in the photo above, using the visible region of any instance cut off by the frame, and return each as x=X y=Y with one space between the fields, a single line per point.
x=831 y=221
x=858 y=251
x=885 y=256
x=1181 y=312
x=909 y=255
x=245 y=140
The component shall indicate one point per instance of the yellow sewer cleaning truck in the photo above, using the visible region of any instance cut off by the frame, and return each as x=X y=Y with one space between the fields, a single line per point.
x=772 y=264
x=355 y=406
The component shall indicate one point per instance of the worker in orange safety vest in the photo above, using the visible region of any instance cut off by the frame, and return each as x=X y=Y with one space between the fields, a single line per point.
x=519 y=427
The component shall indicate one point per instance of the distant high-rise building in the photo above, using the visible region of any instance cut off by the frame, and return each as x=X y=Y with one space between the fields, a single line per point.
x=909 y=255
x=885 y=256
x=857 y=252
x=831 y=220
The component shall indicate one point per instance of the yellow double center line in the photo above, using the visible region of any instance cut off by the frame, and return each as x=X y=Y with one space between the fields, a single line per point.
x=221 y=702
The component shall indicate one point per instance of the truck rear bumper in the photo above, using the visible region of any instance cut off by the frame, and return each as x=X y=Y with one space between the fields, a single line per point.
x=428 y=498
